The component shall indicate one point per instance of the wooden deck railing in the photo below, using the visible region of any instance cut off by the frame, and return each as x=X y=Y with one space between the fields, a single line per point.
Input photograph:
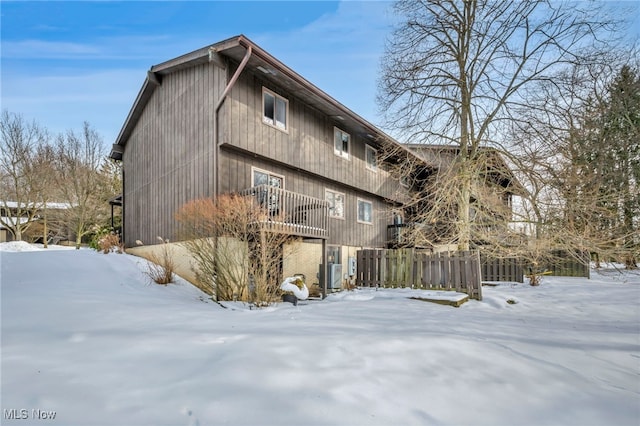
x=290 y=212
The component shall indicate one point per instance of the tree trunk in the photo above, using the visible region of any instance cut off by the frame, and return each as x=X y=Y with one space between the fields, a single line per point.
x=464 y=219
x=45 y=230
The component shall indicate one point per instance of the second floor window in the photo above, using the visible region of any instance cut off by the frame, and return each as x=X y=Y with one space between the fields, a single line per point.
x=336 y=203
x=365 y=212
x=341 y=141
x=371 y=156
x=274 y=109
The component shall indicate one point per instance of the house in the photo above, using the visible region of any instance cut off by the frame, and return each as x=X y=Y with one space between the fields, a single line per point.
x=230 y=117
x=491 y=207
x=31 y=218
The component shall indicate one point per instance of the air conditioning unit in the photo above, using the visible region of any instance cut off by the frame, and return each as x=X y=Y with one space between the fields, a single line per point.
x=334 y=281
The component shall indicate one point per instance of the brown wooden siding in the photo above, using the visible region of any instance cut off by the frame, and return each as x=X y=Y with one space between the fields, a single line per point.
x=235 y=176
x=169 y=156
x=308 y=143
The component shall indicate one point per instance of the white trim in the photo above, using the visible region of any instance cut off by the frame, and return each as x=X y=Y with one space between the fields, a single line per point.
x=340 y=153
x=344 y=203
x=267 y=172
x=404 y=182
x=358 y=211
x=373 y=168
x=270 y=122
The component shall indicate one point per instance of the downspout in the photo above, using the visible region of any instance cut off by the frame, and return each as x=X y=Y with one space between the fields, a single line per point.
x=226 y=91
x=216 y=142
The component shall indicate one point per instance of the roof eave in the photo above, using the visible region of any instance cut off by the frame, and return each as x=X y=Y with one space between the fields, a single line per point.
x=153 y=80
x=206 y=54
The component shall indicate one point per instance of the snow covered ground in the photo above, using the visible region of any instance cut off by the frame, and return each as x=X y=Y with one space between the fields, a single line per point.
x=87 y=340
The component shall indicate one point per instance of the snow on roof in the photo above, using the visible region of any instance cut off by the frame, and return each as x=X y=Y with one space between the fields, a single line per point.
x=12 y=220
x=52 y=205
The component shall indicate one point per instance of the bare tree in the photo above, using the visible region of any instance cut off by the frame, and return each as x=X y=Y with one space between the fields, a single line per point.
x=454 y=70
x=21 y=183
x=80 y=158
x=44 y=160
x=571 y=166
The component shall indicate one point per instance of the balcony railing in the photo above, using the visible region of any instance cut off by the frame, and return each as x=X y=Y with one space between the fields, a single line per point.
x=399 y=235
x=290 y=212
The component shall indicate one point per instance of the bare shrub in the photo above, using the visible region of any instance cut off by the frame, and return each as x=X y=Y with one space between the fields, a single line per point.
x=161 y=266
x=109 y=243
x=236 y=257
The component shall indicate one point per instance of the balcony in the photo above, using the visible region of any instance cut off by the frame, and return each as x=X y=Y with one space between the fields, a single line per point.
x=414 y=234
x=400 y=235
x=419 y=235
x=290 y=212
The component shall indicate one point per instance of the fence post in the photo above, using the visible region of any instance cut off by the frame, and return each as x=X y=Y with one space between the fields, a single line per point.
x=359 y=268
x=477 y=282
x=415 y=270
x=381 y=269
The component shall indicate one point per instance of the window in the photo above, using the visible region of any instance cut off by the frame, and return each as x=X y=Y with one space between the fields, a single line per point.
x=371 y=157
x=341 y=143
x=265 y=196
x=336 y=203
x=405 y=181
x=365 y=211
x=263 y=177
x=274 y=109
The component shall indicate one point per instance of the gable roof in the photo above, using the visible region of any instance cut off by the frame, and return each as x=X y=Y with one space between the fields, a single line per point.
x=437 y=156
x=270 y=68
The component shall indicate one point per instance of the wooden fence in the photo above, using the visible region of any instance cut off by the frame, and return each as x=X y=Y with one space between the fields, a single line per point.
x=505 y=269
x=565 y=264
x=558 y=263
x=413 y=268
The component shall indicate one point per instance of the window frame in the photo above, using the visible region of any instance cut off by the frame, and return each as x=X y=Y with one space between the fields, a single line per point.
x=273 y=122
x=374 y=167
x=362 y=200
x=341 y=153
x=404 y=182
x=344 y=203
x=266 y=172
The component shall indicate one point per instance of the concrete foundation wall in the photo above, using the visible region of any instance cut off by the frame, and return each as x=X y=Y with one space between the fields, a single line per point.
x=298 y=258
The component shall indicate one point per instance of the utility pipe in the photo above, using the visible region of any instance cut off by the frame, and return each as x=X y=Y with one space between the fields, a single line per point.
x=235 y=76
x=226 y=91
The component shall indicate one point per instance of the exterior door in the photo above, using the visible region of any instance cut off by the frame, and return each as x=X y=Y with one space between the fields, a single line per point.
x=267 y=196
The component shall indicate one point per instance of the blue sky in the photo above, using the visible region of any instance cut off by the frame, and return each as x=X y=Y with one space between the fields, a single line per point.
x=68 y=62
x=63 y=63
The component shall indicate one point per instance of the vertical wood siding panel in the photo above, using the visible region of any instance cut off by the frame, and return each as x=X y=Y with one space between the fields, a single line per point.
x=209 y=69
x=254 y=92
x=245 y=123
x=196 y=173
x=202 y=175
x=241 y=111
x=211 y=79
x=292 y=140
